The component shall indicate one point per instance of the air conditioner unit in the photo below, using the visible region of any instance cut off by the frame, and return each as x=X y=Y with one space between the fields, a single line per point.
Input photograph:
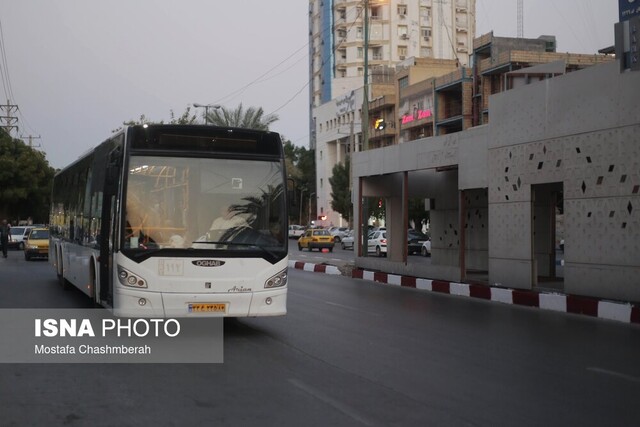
x=404 y=36
x=427 y=38
x=401 y=57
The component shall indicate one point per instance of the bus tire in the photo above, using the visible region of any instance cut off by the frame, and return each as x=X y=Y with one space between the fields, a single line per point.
x=64 y=283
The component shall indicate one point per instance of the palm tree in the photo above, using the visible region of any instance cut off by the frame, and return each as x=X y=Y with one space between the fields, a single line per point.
x=252 y=118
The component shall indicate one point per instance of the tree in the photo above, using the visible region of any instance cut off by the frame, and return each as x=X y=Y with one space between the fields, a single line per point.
x=25 y=181
x=186 y=118
x=301 y=167
x=252 y=118
x=340 y=192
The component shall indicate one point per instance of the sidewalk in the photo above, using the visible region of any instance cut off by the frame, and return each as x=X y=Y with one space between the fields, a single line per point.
x=574 y=304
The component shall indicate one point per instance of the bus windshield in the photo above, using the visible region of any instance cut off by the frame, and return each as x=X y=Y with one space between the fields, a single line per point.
x=204 y=204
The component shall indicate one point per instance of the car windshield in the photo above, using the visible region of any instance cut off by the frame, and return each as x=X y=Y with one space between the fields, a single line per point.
x=17 y=231
x=321 y=233
x=39 y=235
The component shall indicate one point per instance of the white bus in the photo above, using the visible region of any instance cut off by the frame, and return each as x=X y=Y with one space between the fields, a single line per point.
x=175 y=221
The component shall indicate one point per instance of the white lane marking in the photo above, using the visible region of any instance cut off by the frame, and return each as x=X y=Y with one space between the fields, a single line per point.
x=345 y=409
x=614 y=374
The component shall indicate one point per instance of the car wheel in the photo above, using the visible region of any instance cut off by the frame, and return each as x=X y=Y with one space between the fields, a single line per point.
x=424 y=252
x=378 y=251
x=299 y=247
x=336 y=239
x=330 y=249
x=343 y=246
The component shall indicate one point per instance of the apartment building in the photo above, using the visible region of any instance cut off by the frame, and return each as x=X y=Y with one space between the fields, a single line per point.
x=399 y=30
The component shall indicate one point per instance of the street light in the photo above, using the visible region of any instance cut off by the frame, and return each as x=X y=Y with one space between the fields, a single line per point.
x=206 y=110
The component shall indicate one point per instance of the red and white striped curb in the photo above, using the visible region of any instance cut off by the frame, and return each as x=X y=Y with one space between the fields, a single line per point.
x=621 y=312
x=316 y=268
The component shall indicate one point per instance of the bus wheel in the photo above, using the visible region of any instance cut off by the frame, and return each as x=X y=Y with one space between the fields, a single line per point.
x=64 y=283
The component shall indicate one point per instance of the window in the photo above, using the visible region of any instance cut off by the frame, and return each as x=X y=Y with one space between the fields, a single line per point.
x=403 y=31
x=359 y=33
x=402 y=9
x=402 y=51
x=425 y=32
x=360 y=53
x=425 y=14
x=403 y=82
x=426 y=52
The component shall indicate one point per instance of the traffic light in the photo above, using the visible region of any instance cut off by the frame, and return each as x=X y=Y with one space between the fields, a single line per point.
x=380 y=124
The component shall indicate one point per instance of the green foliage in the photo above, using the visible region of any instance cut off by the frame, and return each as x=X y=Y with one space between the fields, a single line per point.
x=340 y=193
x=186 y=118
x=301 y=167
x=252 y=118
x=25 y=181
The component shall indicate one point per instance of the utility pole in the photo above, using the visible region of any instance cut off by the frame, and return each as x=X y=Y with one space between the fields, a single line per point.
x=364 y=211
x=31 y=138
x=7 y=121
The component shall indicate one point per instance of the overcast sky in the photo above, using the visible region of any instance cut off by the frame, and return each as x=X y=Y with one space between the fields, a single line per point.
x=79 y=68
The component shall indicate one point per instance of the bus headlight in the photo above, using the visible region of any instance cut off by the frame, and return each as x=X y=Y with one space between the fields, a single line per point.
x=127 y=278
x=277 y=281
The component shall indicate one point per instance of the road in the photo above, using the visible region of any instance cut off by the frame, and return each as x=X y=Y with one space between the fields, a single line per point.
x=349 y=353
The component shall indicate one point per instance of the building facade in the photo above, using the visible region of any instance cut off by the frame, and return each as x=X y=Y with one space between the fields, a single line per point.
x=423 y=97
x=554 y=171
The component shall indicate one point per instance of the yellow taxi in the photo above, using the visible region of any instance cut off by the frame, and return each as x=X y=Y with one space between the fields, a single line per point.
x=37 y=244
x=316 y=239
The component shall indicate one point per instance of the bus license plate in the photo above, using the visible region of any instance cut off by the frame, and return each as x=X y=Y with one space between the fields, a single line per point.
x=208 y=308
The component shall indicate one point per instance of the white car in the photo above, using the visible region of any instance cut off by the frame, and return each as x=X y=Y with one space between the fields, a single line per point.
x=347 y=241
x=426 y=248
x=17 y=235
x=295 y=231
x=378 y=243
x=338 y=233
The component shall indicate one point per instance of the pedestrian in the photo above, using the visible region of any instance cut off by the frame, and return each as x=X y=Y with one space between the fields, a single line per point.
x=5 y=230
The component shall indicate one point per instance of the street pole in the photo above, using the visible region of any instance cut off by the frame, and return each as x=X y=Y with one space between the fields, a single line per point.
x=310 y=196
x=206 y=110
x=365 y=128
x=301 y=192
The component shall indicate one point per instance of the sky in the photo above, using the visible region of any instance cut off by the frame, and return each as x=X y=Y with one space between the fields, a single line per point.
x=78 y=69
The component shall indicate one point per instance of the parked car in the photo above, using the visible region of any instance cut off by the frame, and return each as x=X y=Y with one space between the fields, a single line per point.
x=338 y=233
x=415 y=241
x=295 y=231
x=316 y=239
x=37 y=244
x=426 y=248
x=378 y=243
x=347 y=241
x=17 y=236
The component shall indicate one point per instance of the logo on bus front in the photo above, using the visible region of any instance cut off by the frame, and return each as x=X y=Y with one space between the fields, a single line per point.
x=207 y=263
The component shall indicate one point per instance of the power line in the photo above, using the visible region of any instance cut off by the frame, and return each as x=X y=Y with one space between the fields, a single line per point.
x=6 y=80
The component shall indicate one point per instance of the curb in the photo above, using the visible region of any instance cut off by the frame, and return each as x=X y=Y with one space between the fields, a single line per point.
x=574 y=304
x=315 y=268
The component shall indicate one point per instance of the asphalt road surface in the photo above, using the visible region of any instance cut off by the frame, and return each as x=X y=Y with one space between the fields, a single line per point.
x=348 y=353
